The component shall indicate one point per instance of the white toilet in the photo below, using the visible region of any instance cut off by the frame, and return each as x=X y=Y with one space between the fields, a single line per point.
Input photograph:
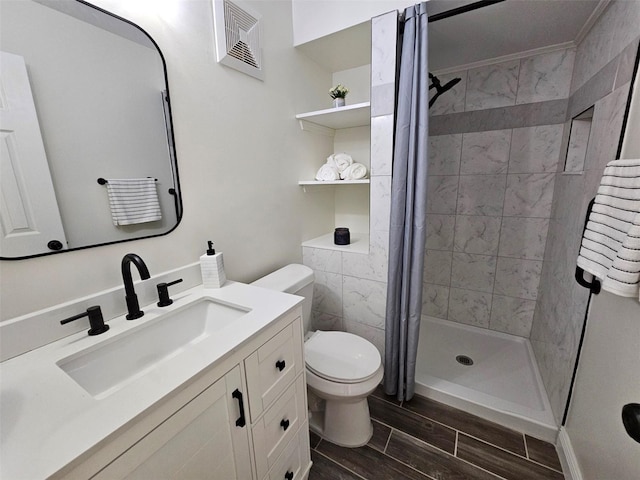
x=342 y=369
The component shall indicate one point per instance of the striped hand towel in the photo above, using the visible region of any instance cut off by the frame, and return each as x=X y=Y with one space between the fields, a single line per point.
x=610 y=247
x=133 y=200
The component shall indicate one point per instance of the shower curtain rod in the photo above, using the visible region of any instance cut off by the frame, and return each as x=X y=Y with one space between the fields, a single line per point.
x=463 y=9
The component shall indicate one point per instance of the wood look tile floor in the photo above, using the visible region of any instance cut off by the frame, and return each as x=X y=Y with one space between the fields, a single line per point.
x=423 y=439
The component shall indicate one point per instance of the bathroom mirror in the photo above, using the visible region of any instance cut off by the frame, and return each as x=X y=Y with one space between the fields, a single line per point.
x=99 y=109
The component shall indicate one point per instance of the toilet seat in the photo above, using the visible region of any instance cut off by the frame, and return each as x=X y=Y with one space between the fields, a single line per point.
x=341 y=357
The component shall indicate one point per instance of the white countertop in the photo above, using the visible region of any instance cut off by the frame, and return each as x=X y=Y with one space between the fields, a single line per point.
x=47 y=420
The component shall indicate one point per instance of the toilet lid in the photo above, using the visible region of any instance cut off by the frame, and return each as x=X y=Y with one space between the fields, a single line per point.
x=341 y=357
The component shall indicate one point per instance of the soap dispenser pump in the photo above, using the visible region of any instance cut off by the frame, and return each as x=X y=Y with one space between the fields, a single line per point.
x=212 y=268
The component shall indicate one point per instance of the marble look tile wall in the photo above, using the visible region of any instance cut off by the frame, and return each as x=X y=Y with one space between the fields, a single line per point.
x=493 y=175
x=489 y=208
x=562 y=303
x=351 y=288
x=614 y=31
x=601 y=78
x=540 y=78
x=492 y=167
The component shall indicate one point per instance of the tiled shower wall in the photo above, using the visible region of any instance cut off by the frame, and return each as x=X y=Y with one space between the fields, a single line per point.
x=603 y=69
x=495 y=144
x=351 y=288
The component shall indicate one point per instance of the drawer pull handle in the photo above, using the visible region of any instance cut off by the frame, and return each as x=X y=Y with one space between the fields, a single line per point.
x=240 y=422
x=288 y=475
x=280 y=365
x=284 y=424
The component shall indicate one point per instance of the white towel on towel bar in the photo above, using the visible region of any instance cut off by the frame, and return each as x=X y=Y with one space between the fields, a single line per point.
x=133 y=200
x=610 y=247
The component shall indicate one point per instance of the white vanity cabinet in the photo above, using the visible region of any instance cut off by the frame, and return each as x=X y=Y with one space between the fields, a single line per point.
x=244 y=419
x=201 y=440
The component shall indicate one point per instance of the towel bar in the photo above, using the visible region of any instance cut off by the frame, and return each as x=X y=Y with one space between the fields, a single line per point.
x=103 y=181
x=594 y=286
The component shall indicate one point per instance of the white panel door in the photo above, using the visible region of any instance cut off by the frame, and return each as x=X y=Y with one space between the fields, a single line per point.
x=29 y=214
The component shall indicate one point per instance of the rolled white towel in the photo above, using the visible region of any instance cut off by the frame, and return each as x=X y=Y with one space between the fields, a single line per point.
x=340 y=160
x=328 y=173
x=355 y=171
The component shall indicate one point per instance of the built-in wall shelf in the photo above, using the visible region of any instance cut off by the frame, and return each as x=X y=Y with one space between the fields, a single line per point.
x=331 y=119
x=359 y=243
x=365 y=181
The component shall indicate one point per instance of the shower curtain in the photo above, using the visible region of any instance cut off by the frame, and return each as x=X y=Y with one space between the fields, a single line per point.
x=407 y=230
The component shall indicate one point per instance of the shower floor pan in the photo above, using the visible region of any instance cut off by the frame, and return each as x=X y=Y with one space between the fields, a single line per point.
x=502 y=384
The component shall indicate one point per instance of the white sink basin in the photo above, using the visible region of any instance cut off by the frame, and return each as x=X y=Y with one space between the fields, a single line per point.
x=109 y=366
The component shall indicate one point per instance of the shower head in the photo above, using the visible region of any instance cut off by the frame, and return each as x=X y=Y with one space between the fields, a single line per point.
x=440 y=89
x=450 y=84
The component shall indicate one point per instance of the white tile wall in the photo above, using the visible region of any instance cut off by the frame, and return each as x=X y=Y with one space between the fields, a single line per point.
x=492 y=86
x=490 y=196
x=545 y=77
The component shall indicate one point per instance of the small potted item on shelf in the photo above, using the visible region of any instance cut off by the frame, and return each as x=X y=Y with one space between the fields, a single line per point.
x=339 y=93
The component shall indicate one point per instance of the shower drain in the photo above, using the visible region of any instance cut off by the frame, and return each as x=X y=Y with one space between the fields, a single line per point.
x=464 y=360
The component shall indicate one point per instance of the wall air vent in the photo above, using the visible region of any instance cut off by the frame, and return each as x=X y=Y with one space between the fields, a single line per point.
x=238 y=37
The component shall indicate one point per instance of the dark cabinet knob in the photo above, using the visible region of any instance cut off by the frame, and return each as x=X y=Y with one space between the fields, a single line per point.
x=280 y=365
x=284 y=424
x=288 y=475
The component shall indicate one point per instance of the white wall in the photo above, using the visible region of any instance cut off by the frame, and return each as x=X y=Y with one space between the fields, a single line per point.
x=313 y=19
x=239 y=152
x=608 y=378
x=609 y=371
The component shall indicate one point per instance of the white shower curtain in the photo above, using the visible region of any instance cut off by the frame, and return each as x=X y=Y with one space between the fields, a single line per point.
x=407 y=232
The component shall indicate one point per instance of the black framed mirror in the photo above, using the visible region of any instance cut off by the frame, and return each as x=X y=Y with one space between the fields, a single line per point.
x=84 y=100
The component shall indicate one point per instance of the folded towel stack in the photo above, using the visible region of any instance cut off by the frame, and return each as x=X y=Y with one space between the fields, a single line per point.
x=133 y=200
x=340 y=166
x=340 y=160
x=328 y=173
x=610 y=247
x=355 y=171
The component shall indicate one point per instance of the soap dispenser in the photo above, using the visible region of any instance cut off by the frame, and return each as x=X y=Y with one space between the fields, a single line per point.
x=212 y=268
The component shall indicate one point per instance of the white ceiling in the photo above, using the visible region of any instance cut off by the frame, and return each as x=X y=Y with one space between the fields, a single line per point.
x=498 y=31
x=504 y=29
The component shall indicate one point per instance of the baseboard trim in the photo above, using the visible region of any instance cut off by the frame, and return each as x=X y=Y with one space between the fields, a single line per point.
x=567 y=456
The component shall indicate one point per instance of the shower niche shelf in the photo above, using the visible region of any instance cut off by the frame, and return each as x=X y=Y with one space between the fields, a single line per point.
x=332 y=119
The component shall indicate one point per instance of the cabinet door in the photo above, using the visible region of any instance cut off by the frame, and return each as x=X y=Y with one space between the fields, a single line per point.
x=202 y=440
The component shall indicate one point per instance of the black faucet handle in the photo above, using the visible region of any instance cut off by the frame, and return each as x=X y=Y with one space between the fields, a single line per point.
x=163 y=293
x=96 y=321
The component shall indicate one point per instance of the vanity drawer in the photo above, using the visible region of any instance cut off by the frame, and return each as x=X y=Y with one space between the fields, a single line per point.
x=294 y=462
x=272 y=367
x=279 y=425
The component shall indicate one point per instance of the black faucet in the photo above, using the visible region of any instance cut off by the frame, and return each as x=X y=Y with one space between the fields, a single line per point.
x=133 y=307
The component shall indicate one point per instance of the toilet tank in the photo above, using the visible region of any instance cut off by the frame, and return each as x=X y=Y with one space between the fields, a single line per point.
x=295 y=279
